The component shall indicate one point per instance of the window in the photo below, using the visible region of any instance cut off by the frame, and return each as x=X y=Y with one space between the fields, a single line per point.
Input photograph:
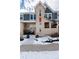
x=45 y=15
x=46 y=24
x=21 y=16
x=26 y=16
x=53 y=25
x=32 y=17
x=40 y=13
x=48 y=16
x=40 y=19
x=55 y=15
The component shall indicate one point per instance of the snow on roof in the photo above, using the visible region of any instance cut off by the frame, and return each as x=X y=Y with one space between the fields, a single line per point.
x=30 y=7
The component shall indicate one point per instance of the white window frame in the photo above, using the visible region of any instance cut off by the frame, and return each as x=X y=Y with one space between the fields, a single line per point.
x=48 y=15
x=21 y=14
x=30 y=16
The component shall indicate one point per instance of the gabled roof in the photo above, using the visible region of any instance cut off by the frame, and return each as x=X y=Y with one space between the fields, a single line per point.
x=47 y=10
x=40 y=3
x=47 y=6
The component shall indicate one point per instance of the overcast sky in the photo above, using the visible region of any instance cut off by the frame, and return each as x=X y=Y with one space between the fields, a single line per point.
x=54 y=4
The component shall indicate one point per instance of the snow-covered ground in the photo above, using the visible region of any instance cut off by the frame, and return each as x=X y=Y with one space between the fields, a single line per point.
x=33 y=40
x=40 y=55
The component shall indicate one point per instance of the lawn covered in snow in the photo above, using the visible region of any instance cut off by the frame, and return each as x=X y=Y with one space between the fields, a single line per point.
x=40 y=40
x=40 y=55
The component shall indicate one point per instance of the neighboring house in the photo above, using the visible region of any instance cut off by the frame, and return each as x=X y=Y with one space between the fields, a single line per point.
x=44 y=21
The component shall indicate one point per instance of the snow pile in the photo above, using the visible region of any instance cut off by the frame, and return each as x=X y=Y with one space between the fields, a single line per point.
x=40 y=55
x=40 y=40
